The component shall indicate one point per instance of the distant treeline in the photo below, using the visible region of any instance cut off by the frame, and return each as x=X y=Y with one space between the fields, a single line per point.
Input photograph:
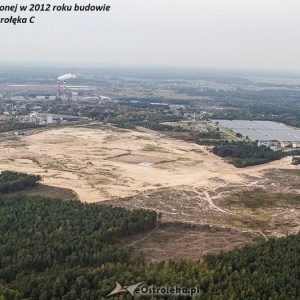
x=280 y=105
x=200 y=137
x=8 y=126
x=149 y=101
x=153 y=123
x=15 y=181
x=243 y=154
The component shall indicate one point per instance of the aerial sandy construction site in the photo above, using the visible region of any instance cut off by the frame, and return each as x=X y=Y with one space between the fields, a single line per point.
x=183 y=181
x=107 y=163
x=101 y=164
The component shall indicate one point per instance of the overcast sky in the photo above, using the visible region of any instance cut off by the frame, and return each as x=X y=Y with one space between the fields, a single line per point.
x=263 y=34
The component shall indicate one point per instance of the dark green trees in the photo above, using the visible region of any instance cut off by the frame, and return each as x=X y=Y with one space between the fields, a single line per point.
x=15 y=181
x=243 y=154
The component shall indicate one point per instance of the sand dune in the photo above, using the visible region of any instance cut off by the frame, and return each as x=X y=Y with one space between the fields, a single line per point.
x=103 y=164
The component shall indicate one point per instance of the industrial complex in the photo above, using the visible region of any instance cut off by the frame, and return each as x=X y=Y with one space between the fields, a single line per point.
x=45 y=118
x=264 y=132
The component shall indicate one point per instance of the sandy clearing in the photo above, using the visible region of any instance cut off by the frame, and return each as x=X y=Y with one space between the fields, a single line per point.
x=104 y=164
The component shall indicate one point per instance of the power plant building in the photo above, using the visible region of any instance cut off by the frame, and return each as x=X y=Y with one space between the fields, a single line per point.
x=44 y=118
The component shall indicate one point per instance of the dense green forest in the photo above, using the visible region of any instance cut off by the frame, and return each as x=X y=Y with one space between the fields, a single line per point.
x=243 y=154
x=280 y=105
x=55 y=249
x=15 y=181
x=199 y=137
x=44 y=241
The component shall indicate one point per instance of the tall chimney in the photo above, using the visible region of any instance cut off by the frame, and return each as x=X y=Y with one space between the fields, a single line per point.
x=58 y=92
x=65 y=89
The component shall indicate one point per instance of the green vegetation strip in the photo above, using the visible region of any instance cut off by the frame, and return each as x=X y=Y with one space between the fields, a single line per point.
x=14 y=181
x=260 y=210
x=261 y=199
x=292 y=171
x=154 y=148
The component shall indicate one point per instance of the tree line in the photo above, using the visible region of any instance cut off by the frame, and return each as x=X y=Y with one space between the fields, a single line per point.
x=14 y=181
x=15 y=125
x=243 y=154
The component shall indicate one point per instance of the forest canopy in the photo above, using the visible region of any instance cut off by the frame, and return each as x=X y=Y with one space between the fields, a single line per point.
x=55 y=249
x=15 y=181
x=43 y=239
x=243 y=154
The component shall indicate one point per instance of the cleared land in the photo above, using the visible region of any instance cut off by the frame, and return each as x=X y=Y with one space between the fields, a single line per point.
x=188 y=241
x=50 y=192
x=107 y=163
x=182 y=181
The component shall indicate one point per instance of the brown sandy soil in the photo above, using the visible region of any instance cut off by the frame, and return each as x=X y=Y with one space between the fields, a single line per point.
x=51 y=192
x=145 y=169
x=108 y=163
x=188 y=241
x=105 y=164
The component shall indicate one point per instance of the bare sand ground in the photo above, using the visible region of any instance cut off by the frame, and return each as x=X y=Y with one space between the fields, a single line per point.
x=107 y=163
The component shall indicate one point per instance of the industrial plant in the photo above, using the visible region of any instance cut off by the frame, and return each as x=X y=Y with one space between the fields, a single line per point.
x=267 y=133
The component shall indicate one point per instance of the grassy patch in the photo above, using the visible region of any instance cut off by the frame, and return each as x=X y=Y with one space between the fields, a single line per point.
x=154 y=148
x=102 y=127
x=292 y=171
x=198 y=151
x=259 y=209
x=15 y=142
x=51 y=192
x=261 y=199
x=256 y=221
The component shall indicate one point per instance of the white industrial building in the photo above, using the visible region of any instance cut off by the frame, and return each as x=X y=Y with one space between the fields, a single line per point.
x=44 y=118
x=264 y=132
x=74 y=96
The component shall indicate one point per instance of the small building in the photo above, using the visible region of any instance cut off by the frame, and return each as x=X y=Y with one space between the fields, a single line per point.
x=285 y=144
x=104 y=98
x=74 y=96
x=49 y=119
x=43 y=98
x=18 y=98
x=296 y=145
x=264 y=143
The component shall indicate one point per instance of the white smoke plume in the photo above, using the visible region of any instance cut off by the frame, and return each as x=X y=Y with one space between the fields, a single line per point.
x=66 y=76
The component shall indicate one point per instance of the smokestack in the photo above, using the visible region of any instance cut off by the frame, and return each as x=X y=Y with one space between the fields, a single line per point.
x=58 y=92
x=64 y=78
x=65 y=89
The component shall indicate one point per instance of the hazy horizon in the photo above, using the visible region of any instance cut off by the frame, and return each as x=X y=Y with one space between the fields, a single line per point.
x=208 y=34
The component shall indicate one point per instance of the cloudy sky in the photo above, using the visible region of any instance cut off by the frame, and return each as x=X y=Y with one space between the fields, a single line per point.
x=262 y=34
